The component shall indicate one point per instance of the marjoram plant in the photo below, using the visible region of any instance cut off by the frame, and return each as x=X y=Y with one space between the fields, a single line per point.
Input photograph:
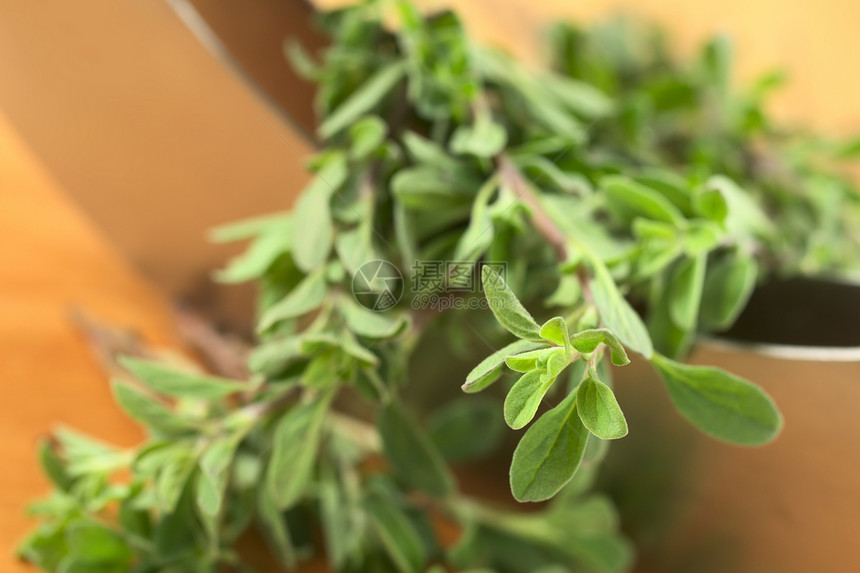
x=618 y=203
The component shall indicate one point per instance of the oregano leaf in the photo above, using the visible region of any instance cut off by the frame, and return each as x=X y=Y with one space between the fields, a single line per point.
x=549 y=453
x=599 y=410
x=508 y=310
x=720 y=404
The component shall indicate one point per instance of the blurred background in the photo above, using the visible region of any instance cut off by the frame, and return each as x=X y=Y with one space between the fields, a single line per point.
x=130 y=127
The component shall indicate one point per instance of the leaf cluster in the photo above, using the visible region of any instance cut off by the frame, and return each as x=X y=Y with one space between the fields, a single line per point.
x=635 y=202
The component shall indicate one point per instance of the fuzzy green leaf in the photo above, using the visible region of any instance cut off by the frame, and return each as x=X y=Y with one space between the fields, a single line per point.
x=294 y=451
x=599 y=411
x=524 y=398
x=685 y=292
x=508 y=309
x=308 y=295
x=411 y=453
x=171 y=382
x=617 y=314
x=148 y=411
x=313 y=229
x=489 y=369
x=587 y=341
x=364 y=99
x=549 y=453
x=728 y=286
x=720 y=404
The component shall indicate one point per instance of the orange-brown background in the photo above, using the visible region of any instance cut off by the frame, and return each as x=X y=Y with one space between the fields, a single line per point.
x=111 y=111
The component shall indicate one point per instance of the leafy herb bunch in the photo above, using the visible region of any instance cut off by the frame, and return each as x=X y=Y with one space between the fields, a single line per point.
x=620 y=176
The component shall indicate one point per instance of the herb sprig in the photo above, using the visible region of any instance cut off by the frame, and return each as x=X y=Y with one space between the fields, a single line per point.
x=617 y=185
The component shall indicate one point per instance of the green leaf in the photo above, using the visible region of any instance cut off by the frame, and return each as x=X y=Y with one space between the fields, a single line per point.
x=528 y=361
x=485 y=138
x=148 y=411
x=166 y=380
x=313 y=229
x=354 y=248
x=489 y=369
x=720 y=404
x=295 y=444
x=53 y=466
x=396 y=533
x=478 y=236
x=728 y=285
x=259 y=257
x=617 y=314
x=364 y=99
x=567 y=293
x=507 y=308
x=587 y=341
x=308 y=295
x=711 y=204
x=524 y=398
x=630 y=199
x=411 y=453
x=275 y=528
x=425 y=188
x=372 y=324
x=214 y=473
x=94 y=544
x=580 y=97
x=555 y=330
x=685 y=291
x=251 y=228
x=549 y=453
x=467 y=428
x=599 y=410
x=367 y=137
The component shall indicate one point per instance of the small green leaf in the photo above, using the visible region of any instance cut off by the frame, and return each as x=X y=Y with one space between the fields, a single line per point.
x=468 y=428
x=728 y=285
x=166 y=380
x=308 y=295
x=364 y=99
x=313 y=229
x=685 y=291
x=524 y=398
x=599 y=410
x=720 y=404
x=508 y=310
x=259 y=257
x=527 y=361
x=396 y=533
x=214 y=472
x=478 y=236
x=295 y=444
x=93 y=544
x=364 y=322
x=485 y=138
x=275 y=528
x=489 y=369
x=53 y=466
x=549 y=453
x=630 y=199
x=587 y=341
x=710 y=203
x=367 y=136
x=148 y=411
x=411 y=453
x=616 y=312
x=555 y=330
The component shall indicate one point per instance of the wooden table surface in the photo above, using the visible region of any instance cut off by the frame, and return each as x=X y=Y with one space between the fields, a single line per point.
x=52 y=260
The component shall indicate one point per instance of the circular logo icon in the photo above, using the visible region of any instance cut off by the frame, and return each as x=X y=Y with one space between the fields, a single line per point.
x=377 y=285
